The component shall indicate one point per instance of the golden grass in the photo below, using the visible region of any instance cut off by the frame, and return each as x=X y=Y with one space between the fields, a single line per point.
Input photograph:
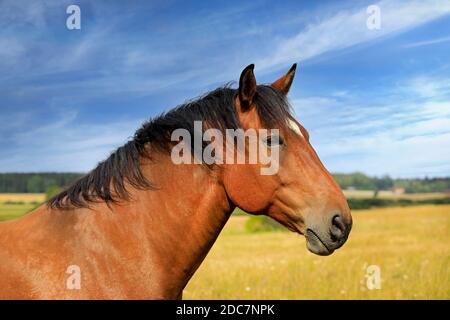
x=411 y=245
x=22 y=197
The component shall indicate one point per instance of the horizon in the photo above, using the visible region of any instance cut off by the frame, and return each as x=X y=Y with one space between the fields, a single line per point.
x=374 y=101
x=333 y=173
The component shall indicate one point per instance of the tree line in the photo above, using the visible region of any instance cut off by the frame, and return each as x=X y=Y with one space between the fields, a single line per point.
x=35 y=182
x=42 y=182
x=361 y=181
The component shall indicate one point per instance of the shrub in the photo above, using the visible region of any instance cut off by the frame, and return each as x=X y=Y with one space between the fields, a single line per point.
x=14 y=202
x=262 y=224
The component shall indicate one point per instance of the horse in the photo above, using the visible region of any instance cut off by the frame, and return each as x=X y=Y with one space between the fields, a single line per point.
x=139 y=225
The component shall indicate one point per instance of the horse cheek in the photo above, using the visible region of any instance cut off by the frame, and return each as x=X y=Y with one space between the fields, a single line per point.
x=249 y=191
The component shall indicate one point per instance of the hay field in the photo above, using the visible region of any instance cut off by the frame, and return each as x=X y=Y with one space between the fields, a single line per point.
x=411 y=245
x=22 y=197
x=14 y=205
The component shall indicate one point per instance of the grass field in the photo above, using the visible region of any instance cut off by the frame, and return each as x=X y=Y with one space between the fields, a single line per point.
x=22 y=197
x=12 y=211
x=411 y=245
x=14 y=205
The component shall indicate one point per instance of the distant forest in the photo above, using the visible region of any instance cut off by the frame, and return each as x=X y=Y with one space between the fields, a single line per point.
x=35 y=182
x=361 y=181
x=42 y=182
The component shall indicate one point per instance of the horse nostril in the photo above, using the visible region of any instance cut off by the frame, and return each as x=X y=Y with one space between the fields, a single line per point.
x=337 y=228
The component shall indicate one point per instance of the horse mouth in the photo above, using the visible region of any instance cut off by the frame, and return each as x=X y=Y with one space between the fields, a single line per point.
x=316 y=245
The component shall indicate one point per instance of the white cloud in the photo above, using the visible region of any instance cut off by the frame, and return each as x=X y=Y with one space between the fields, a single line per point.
x=407 y=135
x=427 y=42
x=22 y=12
x=382 y=153
x=65 y=145
x=348 y=28
x=429 y=86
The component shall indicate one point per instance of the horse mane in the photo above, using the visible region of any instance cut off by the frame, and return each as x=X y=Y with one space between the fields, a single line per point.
x=107 y=182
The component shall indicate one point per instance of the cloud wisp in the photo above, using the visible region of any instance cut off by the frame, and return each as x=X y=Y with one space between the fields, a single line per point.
x=348 y=28
x=427 y=42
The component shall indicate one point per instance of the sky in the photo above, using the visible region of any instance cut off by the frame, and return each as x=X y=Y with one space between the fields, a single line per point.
x=374 y=99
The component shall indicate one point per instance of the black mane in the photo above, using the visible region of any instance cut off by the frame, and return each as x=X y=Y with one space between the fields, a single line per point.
x=217 y=108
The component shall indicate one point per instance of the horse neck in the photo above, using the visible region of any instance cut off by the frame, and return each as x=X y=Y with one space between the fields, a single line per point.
x=183 y=216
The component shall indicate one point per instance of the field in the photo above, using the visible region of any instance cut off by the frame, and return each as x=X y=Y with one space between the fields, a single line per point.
x=22 y=197
x=13 y=205
x=410 y=245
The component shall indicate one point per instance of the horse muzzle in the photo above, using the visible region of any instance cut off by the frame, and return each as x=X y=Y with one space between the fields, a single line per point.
x=323 y=240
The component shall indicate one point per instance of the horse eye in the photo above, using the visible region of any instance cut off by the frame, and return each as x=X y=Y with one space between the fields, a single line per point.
x=274 y=140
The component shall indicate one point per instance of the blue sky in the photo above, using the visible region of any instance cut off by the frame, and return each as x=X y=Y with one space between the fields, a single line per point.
x=376 y=101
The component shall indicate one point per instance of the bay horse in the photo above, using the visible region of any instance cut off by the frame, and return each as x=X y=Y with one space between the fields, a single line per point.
x=138 y=226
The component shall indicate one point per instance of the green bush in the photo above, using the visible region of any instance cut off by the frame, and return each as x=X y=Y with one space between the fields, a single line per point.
x=14 y=202
x=262 y=224
x=435 y=201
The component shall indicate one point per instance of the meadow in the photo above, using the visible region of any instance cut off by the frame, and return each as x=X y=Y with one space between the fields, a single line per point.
x=22 y=197
x=410 y=245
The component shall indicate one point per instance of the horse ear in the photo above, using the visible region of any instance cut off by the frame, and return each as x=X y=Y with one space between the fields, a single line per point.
x=284 y=83
x=247 y=87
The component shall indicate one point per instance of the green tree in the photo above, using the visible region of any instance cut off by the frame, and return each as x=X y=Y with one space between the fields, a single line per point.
x=51 y=191
x=34 y=184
